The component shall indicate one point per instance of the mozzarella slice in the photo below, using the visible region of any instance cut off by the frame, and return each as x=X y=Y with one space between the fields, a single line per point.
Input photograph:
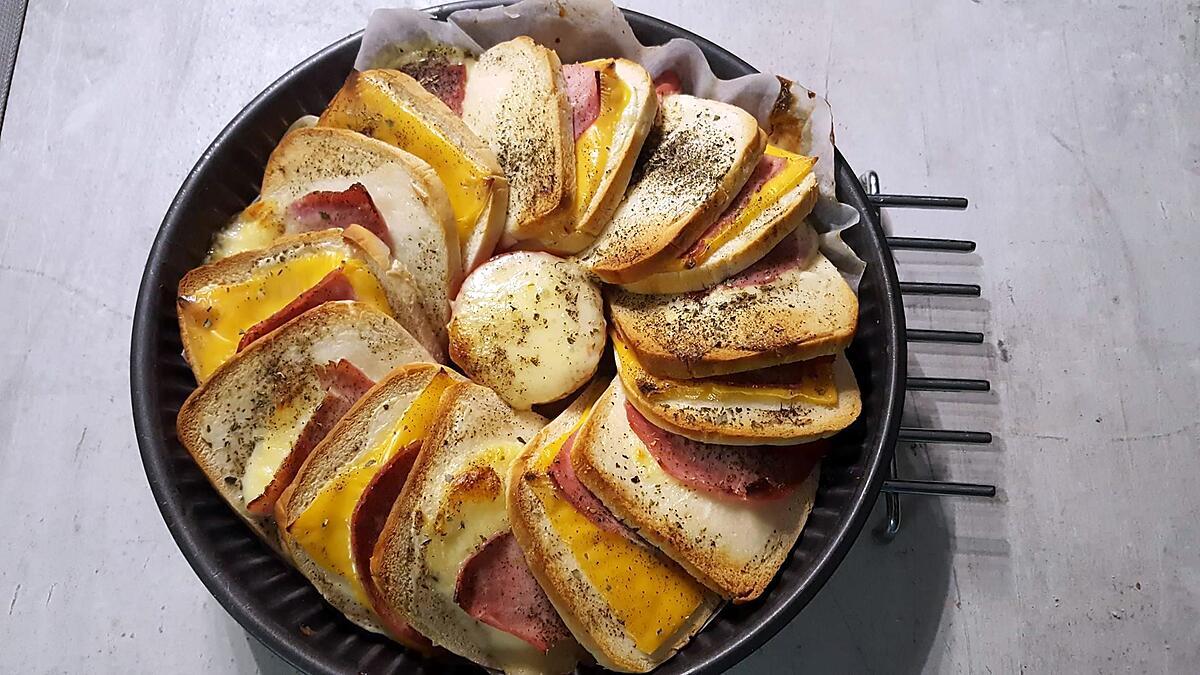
x=528 y=325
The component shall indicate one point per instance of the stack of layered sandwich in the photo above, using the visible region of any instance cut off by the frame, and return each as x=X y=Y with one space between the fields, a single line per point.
x=426 y=273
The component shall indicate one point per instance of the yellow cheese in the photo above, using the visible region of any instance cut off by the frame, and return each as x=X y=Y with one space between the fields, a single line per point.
x=323 y=529
x=816 y=384
x=592 y=148
x=651 y=597
x=795 y=169
x=466 y=183
x=256 y=227
x=216 y=316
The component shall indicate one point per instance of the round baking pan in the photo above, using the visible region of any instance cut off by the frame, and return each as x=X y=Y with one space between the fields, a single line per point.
x=273 y=601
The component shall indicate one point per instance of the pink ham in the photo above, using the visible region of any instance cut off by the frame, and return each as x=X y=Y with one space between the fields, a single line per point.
x=333 y=286
x=787 y=254
x=321 y=210
x=745 y=473
x=344 y=384
x=668 y=83
x=562 y=472
x=445 y=80
x=496 y=587
x=766 y=169
x=583 y=93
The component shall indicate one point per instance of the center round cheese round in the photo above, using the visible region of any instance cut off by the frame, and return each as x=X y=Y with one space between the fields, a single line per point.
x=528 y=325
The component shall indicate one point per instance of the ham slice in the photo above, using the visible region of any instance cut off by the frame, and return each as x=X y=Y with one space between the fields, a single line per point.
x=496 y=587
x=366 y=524
x=445 y=80
x=344 y=384
x=322 y=209
x=766 y=169
x=745 y=473
x=333 y=286
x=783 y=375
x=562 y=472
x=668 y=83
x=787 y=254
x=583 y=93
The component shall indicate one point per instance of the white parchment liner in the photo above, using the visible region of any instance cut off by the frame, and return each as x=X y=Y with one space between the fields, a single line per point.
x=581 y=30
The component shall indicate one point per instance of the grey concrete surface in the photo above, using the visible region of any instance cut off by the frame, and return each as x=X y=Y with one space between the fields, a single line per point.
x=1073 y=129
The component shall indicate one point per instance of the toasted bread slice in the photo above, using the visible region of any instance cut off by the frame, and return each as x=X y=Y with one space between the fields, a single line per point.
x=219 y=304
x=336 y=486
x=697 y=157
x=787 y=307
x=772 y=205
x=733 y=546
x=812 y=400
x=393 y=107
x=450 y=510
x=530 y=326
x=404 y=189
x=614 y=101
x=516 y=102
x=242 y=424
x=628 y=604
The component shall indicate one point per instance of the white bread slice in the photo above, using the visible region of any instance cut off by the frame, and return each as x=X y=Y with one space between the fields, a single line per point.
x=393 y=107
x=696 y=158
x=806 y=311
x=754 y=240
x=268 y=392
x=300 y=254
x=530 y=326
x=452 y=503
x=581 y=596
x=516 y=102
x=370 y=423
x=734 y=547
x=738 y=415
x=627 y=107
x=405 y=190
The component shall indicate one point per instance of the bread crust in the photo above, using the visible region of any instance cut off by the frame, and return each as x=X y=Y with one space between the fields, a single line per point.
x=699 y=545
x=811 y=310
x=696 y=158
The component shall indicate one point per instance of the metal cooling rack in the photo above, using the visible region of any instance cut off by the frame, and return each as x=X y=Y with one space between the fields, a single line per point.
x=895 y=486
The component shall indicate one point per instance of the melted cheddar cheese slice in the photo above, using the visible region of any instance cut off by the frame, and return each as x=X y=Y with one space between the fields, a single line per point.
x=323 y=529
x=653 y=598
x=467 y=184
x=215 y=317
x=814 y=384
x=592 y=149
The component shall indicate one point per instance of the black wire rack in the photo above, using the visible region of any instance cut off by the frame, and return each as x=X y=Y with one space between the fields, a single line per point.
x=895 y=486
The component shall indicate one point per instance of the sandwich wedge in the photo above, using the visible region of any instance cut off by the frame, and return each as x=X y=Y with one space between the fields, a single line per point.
x=516 y=101
x=612 y=108
x=320 y=177
x=787 y=404
x=698 y=155
x=331 y=515
x=447 y=562
x=251 y=425
x=226 y=305
x=626 y=602
x=773 y=204
x=729 y=515
x=792 y=305
x=394 y=107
